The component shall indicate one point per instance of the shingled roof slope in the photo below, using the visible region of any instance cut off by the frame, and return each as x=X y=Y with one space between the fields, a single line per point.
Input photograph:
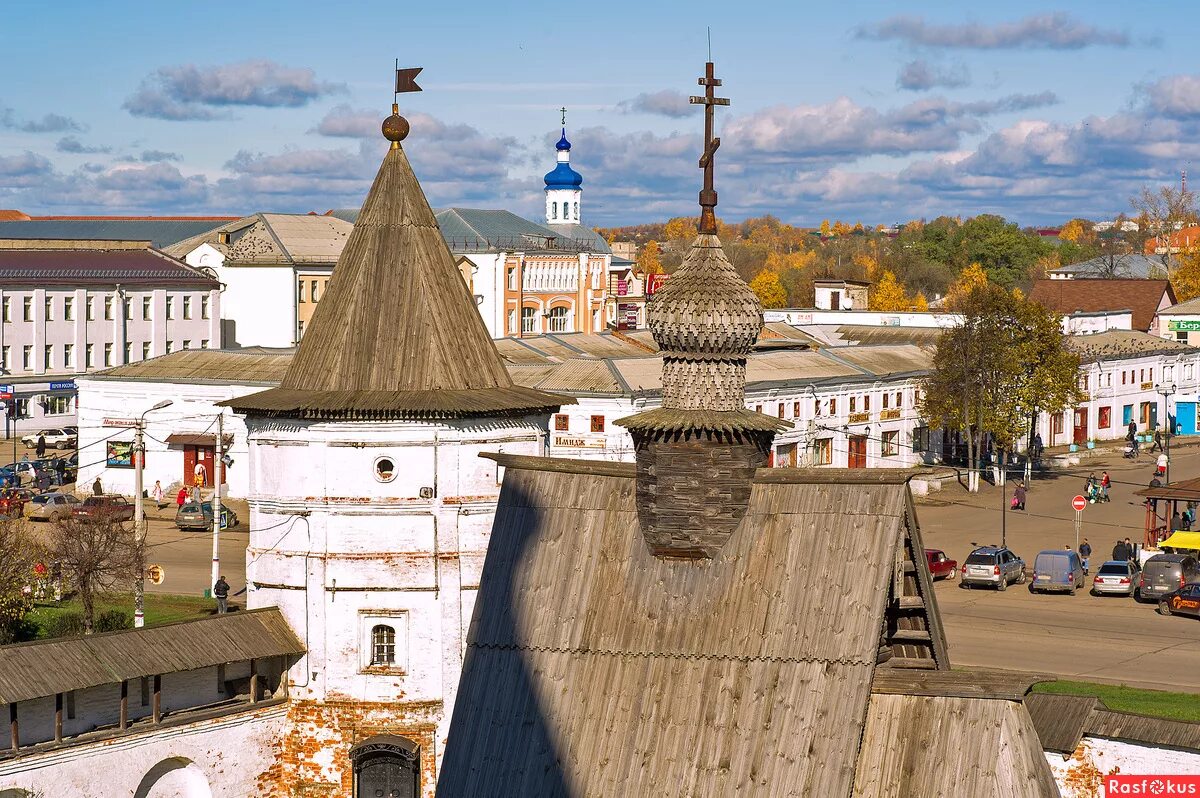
x=596 y=668
x=1143 y=297
x=397 y=334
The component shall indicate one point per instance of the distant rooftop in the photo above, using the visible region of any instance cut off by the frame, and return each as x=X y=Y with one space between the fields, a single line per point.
x=160 y=231
x=1137 y=266
x=43 y=265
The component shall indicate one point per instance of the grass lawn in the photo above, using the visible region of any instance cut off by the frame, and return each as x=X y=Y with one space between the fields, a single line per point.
x=1159 y=703
x=160 y=608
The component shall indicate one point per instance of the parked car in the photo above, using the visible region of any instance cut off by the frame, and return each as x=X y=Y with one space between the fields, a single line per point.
x=1116 y=578
x=108 y=506
x=12 y=501
x=50 y=464
x=993 y=565
x=56 y=438
x=24 y=472
x=1183 y=601
x=1166 y=573
x=1057 y=571
x=941 y=566
x=200 y=516
x=52 y=506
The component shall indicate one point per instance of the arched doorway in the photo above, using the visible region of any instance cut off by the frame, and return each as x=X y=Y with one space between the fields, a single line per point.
x=176 y=777
x=386 y=766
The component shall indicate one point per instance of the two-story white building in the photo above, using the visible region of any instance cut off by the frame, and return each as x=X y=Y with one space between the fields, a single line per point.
x=68 y=308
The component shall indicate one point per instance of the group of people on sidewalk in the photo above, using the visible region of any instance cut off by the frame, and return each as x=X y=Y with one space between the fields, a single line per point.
x=1096 y=490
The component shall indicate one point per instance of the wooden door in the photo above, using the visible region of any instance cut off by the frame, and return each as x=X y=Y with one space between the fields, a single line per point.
x=189 y=464
x=858 y=452
x=1080 y=432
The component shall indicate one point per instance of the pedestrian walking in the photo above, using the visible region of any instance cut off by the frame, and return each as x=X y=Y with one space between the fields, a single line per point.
x=1157 y=439
x=221 y=594
x=1105 y=482
x=97 y=488
x=181 y=497
x=41 y=447
x=1085 y=554
x=1019 y=496
x=1119 y=553
x=157 y=493
x=1160 y=466
x=1176 y=521
x=1132 y=429
x=1130 y=550
x=60 y=468
x=1189 y=517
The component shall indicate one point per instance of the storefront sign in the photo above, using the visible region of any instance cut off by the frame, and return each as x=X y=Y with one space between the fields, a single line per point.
x=859 y=418
x=1183 y=325
x=654 y=282
x=120 y=422
x=580 y=441
x=888 y=415
x=66 y=385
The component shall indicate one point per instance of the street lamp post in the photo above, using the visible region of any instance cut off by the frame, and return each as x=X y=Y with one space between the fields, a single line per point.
x=1167 y=391
x=139 y=513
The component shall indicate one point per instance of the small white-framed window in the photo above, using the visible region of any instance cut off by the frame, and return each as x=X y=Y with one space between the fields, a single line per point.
x=146 y=308
x=528 y=320
x=823 y=451
x=68 y=356
x=204 y=307
x=108 y=308
x=108 y=350
x=384 y=641
x=383 y=645
x=890 y=443
x=69 y=308
x=187 y=307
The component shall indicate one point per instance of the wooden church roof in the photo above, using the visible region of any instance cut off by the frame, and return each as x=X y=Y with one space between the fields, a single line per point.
x=397 y=334
x=596 y=668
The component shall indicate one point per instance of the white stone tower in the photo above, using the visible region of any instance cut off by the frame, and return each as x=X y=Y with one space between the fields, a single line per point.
x=370 y=506
x=564 y=186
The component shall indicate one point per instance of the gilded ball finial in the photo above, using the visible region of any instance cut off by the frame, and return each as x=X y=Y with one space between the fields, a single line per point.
x=395 y=127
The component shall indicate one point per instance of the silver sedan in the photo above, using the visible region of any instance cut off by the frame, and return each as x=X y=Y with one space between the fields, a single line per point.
x=1115 y=577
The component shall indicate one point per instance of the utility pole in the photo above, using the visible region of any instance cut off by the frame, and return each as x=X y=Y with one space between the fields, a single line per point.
x=139 y=514
x=218 y=478
x=139 y=522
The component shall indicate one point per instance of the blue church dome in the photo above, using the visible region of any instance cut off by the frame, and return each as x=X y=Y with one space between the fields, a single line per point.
x=563 y=144
x=563 y=176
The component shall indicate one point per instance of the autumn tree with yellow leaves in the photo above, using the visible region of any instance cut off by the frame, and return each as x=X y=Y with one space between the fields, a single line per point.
x=767 y=286
x=648 y=260
x=1186 y=279
x=888 y=295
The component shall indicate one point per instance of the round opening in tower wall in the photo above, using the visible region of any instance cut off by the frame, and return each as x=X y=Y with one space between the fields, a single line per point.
x=693 y=488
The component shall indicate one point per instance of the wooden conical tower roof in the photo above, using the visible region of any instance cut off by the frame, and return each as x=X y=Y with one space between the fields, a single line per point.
x=396 y=334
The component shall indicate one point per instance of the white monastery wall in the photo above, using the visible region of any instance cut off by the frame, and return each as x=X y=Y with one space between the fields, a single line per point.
x=1096 y=757
x=221 y=758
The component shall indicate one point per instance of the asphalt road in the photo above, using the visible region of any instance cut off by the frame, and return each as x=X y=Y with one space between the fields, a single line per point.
x=1105 y=639
x=186 y=557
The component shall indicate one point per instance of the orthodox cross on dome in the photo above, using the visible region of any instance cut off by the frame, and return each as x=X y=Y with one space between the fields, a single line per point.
x=564 y=115
x=708 y=195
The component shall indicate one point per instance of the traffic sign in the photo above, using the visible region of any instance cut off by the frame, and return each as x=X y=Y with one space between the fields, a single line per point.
x=1078 y=503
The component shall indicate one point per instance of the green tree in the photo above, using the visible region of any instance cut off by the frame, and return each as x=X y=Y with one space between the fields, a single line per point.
x=769 y=289
x=18 y=555
x=993 y=373
x=1006 y=253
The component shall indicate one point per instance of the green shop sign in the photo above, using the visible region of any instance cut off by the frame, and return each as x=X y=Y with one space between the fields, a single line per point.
x=1180 y=325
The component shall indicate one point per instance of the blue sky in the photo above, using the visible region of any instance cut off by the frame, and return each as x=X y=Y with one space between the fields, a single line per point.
x=877 y=112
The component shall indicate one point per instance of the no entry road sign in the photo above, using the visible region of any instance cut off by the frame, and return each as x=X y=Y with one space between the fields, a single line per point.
x=1078 y=503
